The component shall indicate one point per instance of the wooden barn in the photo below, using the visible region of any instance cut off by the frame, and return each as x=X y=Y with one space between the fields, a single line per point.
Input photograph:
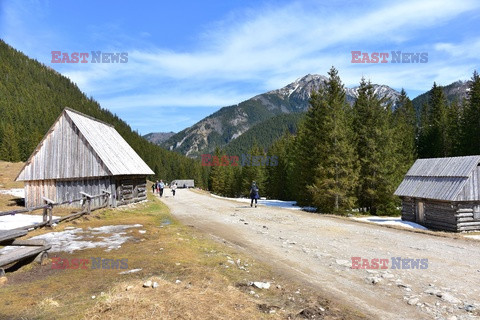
x=442 y=193
x=82 y=154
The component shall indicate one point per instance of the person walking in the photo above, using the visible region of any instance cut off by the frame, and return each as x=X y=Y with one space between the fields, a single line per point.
x=173 y=187
x=153 y=187
x=157 y=186
x=254 y=194
x=161 y=186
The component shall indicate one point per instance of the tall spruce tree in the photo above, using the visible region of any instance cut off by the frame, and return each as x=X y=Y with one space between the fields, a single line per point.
x=9 y=149
x=328 y=133
x=404 y=117
x=376 y=152
x=471 y=119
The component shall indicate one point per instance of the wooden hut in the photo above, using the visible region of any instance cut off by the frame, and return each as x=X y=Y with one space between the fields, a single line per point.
x=82 y=154
x=442 y=193
x=184 y=183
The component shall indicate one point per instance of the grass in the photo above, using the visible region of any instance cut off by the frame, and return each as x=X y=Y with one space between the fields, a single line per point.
x=197 y=277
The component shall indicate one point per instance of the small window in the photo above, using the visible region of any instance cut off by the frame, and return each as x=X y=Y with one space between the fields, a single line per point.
x=476 y=212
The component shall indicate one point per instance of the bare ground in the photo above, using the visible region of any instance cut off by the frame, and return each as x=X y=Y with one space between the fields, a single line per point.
x=318 y=249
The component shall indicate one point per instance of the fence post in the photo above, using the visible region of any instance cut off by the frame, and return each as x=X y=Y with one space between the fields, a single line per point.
x=48 y=211
x=88 y=200
x=106 y=195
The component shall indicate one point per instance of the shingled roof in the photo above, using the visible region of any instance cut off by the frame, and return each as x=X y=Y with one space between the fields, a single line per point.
x=103 y=151
x=442 y=179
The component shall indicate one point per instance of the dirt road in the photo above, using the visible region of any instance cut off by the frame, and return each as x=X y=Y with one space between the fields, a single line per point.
x=318 y=249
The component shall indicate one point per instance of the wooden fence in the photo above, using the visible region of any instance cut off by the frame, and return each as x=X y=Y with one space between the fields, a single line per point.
x=85 y=200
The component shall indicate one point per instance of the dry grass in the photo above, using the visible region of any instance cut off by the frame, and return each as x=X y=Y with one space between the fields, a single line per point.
x=8 y=173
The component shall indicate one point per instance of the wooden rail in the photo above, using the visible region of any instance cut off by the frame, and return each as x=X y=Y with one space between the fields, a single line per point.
x=49 y=204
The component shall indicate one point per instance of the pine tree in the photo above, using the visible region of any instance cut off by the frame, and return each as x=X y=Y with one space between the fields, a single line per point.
x=9 y=150
x=404 y=117
x=471 y=118
x=376 y=152
x=334 y=177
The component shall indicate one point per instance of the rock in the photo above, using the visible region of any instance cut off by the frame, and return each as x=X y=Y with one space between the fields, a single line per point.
x=93 y=297
x=449 y=298
x=408 y=289
x=372 y=271
x=452 y=318
x=261 y=285
x=128 y=288
x=469 y=307
x=412 y=301
x=230 y=261
x=431 y=291
x=155 y=285
x=279 y=287
x=373 y=280
x=142 y=231
x=178 y=281
x=342 y=262
x=388 y=276
x=252 y=292
x=147 y=284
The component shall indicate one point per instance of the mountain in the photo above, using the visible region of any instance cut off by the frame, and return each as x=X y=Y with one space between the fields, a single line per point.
x=231 y=122
x=456 y=91
x=158 y=137
x=32 y=96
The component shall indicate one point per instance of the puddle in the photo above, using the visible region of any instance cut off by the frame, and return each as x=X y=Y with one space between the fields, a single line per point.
x=166 y=222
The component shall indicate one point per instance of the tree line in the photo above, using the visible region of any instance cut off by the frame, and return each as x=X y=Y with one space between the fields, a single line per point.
x=352 y=157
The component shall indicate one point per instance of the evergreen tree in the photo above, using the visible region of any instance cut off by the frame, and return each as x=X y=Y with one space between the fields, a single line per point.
x=280 y=178
x=9 y=150
x=405 y=134
x=334 y=176
x=376 y=152
x=471 y=119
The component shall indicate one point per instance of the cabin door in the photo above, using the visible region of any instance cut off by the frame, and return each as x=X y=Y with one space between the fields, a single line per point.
x=420 y=215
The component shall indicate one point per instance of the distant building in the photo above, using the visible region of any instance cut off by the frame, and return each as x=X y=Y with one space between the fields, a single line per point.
x=82 y=154
x=442 y=193
x=184 y=183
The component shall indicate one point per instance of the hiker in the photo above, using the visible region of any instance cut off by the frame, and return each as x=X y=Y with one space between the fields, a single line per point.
x=173 y=187
x=254 y=194
x=153 y=188
x=161 y=185
x=157 y=186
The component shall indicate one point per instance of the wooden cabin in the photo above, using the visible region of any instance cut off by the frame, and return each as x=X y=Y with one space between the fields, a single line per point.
x=184 y=183
x=82 y=154
x=442 y=193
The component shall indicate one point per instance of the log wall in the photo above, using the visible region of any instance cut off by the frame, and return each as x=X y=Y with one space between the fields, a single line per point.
x=442 y=215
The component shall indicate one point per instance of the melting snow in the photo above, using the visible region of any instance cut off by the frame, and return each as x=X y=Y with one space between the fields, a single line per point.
x=19 y=193
x=109 y=237
x=269 y=203
x=20 y=220
x=395 y=221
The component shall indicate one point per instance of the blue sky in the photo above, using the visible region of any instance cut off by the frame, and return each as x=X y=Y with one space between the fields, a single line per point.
x=186 y=59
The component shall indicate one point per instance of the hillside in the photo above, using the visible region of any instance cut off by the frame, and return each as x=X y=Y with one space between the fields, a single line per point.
x=456 y=91
x=229 y=123
x=158 y=137
x=33 y=95
x=264 y=133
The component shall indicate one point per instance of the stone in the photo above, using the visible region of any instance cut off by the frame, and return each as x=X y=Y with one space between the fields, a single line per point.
x=147 y=284
x=261 y=285
x=178 y=281
x=412 y=301
x=373 y=280
x=128 y=288
x=449 y=298
x=155 y=285
x=388 y=276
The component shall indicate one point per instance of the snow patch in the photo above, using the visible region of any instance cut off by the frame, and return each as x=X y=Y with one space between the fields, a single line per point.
x=109 y=237
x=394 y=221
x=20 y=220
x=19 y=193
x=269 y=203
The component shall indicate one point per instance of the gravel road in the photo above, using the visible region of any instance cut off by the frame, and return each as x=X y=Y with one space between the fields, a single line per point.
x=318 y=249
